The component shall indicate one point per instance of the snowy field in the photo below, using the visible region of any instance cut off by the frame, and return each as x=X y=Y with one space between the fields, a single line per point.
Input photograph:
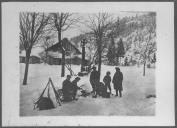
x=133 y=103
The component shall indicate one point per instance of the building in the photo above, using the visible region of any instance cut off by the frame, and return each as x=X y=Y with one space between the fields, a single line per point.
x=34 y=57
x=53 y=58
x=72 y=56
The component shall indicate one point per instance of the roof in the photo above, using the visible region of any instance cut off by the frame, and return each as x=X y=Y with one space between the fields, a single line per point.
x=68 y=46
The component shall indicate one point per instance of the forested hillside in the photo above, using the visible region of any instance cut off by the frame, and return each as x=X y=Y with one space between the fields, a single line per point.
x=138 y=35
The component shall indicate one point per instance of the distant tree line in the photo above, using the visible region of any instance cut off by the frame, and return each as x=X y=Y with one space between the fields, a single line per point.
x=130 y=38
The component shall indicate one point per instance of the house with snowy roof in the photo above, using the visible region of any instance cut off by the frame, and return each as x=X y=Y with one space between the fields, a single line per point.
x=34 y=57
x=72 y=54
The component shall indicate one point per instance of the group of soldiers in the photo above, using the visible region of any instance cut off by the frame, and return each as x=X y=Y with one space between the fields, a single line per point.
x=100 y=88
x=69 y=88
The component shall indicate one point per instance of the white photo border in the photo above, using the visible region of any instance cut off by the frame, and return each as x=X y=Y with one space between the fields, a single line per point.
x=165 y=111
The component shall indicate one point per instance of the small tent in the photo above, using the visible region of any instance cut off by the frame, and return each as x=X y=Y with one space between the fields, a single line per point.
x=46 y=102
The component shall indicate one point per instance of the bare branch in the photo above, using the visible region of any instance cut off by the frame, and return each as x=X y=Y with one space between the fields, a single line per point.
x=31 y=28
x=99 y=24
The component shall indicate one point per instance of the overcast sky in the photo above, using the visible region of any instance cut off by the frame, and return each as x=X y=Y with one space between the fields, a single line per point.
x=82 y=28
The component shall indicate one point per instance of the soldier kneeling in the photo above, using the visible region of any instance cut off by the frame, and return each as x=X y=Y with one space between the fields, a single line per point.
x=102 y=90
x=67 y=89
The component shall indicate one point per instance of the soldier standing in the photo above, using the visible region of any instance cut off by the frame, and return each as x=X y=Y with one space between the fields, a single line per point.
x=117 y=81
x=94 y=80
x=107 y=81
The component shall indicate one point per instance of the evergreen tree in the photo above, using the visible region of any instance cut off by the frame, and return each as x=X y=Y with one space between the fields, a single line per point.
x=120 y=50
x=111 y=51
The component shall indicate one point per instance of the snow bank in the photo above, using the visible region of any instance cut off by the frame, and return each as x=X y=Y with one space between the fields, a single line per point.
x=133 y=103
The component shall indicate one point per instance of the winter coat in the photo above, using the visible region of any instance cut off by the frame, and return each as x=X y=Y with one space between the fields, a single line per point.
x=107 y=80
x=67 y=89
x=117 y=80
x=74 y=86
x=101 y=88
x=94 y=76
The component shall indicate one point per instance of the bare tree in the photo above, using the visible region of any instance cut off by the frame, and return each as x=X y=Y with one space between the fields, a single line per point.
x=149 y=48
x=99 y=24
x=32 y=26
x=61 y=22
x=47 y=41
x=146 y=46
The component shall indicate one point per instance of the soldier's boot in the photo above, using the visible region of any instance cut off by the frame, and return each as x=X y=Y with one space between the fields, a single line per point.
x=120 y=93
x=116 y=92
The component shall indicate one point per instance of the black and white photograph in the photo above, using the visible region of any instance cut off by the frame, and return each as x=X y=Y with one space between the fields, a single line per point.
x=105 y=69
x=70 y=61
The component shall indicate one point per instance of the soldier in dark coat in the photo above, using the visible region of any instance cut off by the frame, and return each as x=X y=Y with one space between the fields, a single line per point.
x=102 y=90
x=117 y=81
x=67 y=89
x=94 y=80
x=75 y=87
x=107 y=81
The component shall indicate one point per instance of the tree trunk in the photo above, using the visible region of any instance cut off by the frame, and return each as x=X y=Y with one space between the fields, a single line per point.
x=63 y=55
x=63 y=64
x=83 y=58
x=144 y=68
x=119 y=61
x=99 y=58
x=46 y=56
x=26 y=68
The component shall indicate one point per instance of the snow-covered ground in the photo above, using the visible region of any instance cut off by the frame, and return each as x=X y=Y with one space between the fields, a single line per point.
x=133 y=103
